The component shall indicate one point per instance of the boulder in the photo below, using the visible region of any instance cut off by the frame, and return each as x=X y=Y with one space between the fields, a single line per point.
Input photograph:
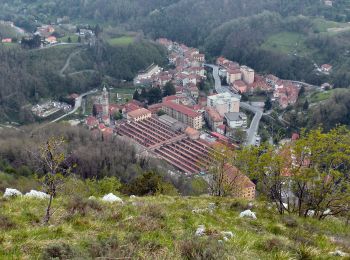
x=339 y=253
x=111 y=198
x=12 y=193
x=311 y=213
x=227 y=234
x=92 y=198
x=37 y=194
x=247 y=214
x=132 y=197
x=200 y=231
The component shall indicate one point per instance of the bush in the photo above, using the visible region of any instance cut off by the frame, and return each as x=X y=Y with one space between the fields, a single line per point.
x=79 y=205
x=58 y=251
x=105 y=247
x=149 y=183
x=6 y=223
x=103 y=186
x=289 y=221
x=202 y=249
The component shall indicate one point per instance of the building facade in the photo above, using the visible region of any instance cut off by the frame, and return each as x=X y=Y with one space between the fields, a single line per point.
x=247 y=74
x=183 y=114
x=223 y=103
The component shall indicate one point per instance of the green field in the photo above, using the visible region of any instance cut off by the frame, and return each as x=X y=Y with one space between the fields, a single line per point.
x=323 y=26
x=287 y=42
x=321 y=96
x=121 y=41
x=73 y=37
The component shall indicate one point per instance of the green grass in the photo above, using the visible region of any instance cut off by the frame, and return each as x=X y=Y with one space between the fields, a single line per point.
x=287 y=42
x=121 y=41
x=321 y=96
x=162 y=227
x=74 y=38
x=325 y=26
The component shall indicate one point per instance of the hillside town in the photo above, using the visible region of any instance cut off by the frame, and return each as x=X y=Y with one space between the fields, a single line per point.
x=185 y=127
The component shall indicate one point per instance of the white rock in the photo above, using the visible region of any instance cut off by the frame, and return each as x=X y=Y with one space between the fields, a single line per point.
x=225 y=239
x=311 y=213
x=339 y=253
x=285 y=205
x=132 y=197
x=12 y=193
x=327 y=211
x=227 y=234
x=37 y=194
x=247 y=213
x=92 y=198
x=211 y=206
x=200 y=231
x=111 y=198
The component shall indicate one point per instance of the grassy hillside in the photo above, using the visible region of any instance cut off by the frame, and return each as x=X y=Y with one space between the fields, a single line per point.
x=162 y=227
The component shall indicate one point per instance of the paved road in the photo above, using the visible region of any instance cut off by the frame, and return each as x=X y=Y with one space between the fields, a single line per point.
x=77 y=105
x=254 y=126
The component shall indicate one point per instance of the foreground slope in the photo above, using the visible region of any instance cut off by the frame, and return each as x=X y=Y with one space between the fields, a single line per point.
x=163 y=227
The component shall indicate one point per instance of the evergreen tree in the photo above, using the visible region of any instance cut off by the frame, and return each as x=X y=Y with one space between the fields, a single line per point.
x=268 y=104
x=136 y=95
x=169 y=89
x=306 y=105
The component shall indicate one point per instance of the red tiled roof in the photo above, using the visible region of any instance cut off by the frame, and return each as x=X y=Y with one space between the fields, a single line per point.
x=139 y=112
x=182 y=109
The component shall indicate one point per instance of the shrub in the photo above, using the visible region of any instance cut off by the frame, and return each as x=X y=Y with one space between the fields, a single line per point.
x=104 y=247
x=149 y=183
x=79 y=205
x=6 y=223
x=273 y=244
x=103 y=186
x=289 y=221
x=202 y=249
x=238 y=205
x=58 y=251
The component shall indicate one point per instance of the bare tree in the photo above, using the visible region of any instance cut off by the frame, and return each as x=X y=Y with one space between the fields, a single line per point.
x=53 y=161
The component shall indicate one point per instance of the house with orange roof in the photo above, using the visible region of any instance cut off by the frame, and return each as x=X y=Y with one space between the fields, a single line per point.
x=139 y=114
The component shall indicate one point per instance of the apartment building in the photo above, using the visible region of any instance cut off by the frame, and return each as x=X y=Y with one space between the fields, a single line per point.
x=183 y=114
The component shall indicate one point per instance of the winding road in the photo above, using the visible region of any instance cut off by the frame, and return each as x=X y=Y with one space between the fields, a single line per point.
x=254 y=126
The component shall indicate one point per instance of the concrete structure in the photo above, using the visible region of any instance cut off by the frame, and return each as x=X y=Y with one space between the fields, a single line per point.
x=233 y=75
x=240 y=86
x=147 y=74
x=213 y=118
x=183 y=114
x=139 y=114
x=105 y=102
x=236 y=120
x=223 y=103
x=247 y=74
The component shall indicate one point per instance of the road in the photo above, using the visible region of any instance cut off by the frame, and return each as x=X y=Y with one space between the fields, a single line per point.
x=68 y=61
x=254 y=126
x=77 y=105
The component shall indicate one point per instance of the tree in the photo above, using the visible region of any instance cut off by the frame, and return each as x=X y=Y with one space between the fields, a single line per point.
x=306 y=105
x=154 y=95
x=169 y=89
x=54 y=164
x=149 y=183
x=268 y=104
x=79 y=39
x=136 y=95
x=117 y=115
x=69 y=39
x=320 y=173
x=225 y=179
